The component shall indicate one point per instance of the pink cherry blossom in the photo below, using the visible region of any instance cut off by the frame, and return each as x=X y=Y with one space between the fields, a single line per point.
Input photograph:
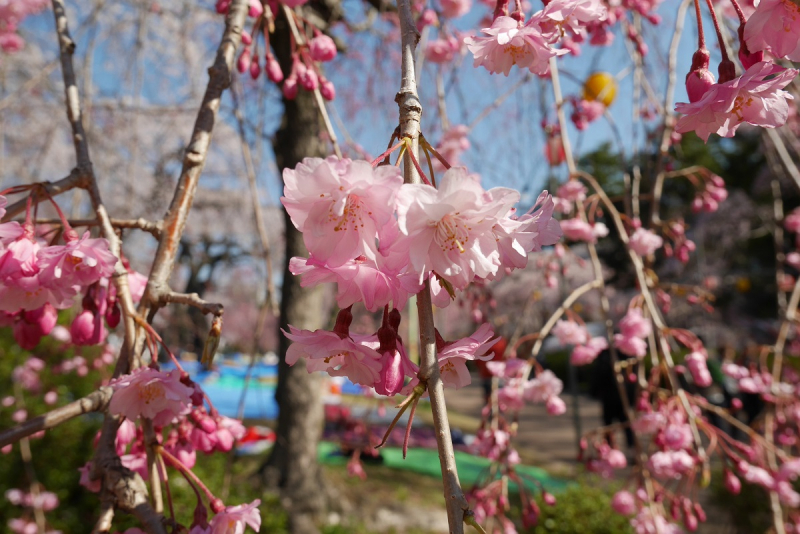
x=644 y=242
x=646 y=523
x=632 y=346
x=449 y=229
x=756 y=97
x=518 y=236
x=635 y=325
x=340 y=205
x=80 y=262
x=453 y=143
x=624 y=503
x=586 y=354
x=555 y=405
x=545 y=385
x=571 y=17
x=775 y=26
x=455 y=8
x=577 y=230
x=671 y=464
x=151 y=394
x=696 y=362
x=570 y=333
x=442 y=50
x=573 y=191
x=586 y=112
x=326 y=351
x=792 y=221
x=453 y=358
x=232 y=519
x=508 y=44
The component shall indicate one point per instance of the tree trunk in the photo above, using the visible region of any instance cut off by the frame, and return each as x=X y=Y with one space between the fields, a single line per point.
x=292 y=465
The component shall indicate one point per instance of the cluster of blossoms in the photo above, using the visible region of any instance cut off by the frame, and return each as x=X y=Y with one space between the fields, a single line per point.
x=634 y=330
x=12 y=13
x=306 y=56
x=585 y=347
x=39 y=277
x=757 y=96
x=379 y=240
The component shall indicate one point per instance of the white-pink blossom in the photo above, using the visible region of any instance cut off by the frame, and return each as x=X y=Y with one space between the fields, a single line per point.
x=150 y=394
x=644 y=242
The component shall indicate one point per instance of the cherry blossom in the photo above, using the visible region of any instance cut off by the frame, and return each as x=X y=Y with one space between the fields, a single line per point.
x=586 y=354
x=508 y=44
x=327 y=351
x=232 y=519
x=644 y=242
x=775 y=26
x=340 y=205
x=449 y=229
x=570 y=17
x=756 y=97
x=453 y=358
x=80 y=262
x=455 y=8
x=624 y=503
x=152 y=394
x=322 y=48
x=570 y=333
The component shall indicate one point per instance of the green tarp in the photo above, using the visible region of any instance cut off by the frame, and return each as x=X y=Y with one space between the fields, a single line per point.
x=426 y=462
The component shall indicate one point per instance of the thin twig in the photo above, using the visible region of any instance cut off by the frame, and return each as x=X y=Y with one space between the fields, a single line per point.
x=96 y=401
x=192 y=299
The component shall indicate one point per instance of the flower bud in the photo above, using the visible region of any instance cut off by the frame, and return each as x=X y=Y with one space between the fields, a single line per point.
x=290 y=88
x=309 y=80
x=244 y=61
x=273 y=69
x=256 y=9
x=698 y=82
x=255 y=69
x=727 y=71
x=212 y=342
x=623 y=503
x=327 y=89
x=732 y=482
x=322 y=48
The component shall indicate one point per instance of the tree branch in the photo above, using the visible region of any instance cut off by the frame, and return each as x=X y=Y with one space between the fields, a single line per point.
x=151 y=227
x=94 y=402
x=76 y=178
x=191 y=299
x=410 y=114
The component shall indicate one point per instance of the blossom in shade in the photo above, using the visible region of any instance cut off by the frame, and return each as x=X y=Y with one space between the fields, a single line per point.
x=232 y=519
x=647 y=523
x=586 y=354
x=545 y=385
x=80 y=262
x=644 y=242
x=696 y=362
x=151 y=394
x=775 y=25
x=577 y=230
x=635 y=325
x=340 y=205
x=792 y=221
x=756 y=97
x=508 y=44
x=632 y=346
x=327 y=351
x=570 y=333
x=449 y=229
x=671 y=464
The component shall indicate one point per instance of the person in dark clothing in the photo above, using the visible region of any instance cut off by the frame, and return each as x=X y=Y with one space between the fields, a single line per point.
x=604 y=387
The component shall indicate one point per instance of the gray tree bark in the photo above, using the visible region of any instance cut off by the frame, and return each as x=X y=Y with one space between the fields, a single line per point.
x=292 y=466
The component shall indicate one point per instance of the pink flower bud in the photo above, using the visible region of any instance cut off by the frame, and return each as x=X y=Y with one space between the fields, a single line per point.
x=256 y=9
x=113 y=315
x=322 y=48
x=245 y=59
x=273 y=69
x=327 y=89
x=549 y=498
x=87 y=329
x=616 y=459
x=696 y=362
x=247 y=39
x=255 y=69
x=732 y=482
x=697 y=83
x=222 y=6
x=290 y=88
x=309 y=80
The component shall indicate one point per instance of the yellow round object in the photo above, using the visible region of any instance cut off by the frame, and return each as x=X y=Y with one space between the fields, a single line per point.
x=600 y=86
x=743 y=285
